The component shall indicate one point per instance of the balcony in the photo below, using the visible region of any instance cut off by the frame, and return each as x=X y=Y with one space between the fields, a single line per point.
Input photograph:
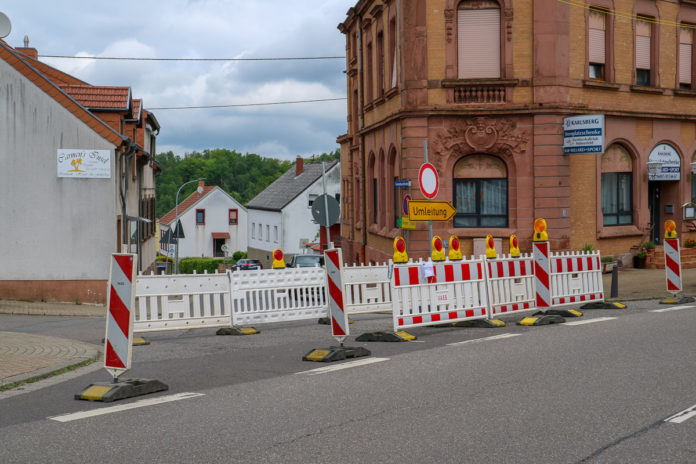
x=478 y=91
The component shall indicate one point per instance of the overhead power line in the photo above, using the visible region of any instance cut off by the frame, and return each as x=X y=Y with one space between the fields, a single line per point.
x=294 y=58
x=244 y=104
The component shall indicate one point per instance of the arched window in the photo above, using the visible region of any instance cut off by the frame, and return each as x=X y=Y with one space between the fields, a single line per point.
x=478 y=39
x=617 y=186
x=373 y=189
x=480 y=192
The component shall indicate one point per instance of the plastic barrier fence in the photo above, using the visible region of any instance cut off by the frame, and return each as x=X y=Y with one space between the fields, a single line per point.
x=510 y=285
x=366 y=289
x=427 y=293
x=272 y=295
x=575 y=278
x=184 y=301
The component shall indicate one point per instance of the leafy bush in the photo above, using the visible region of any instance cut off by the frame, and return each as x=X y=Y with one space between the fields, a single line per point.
x=200 y=265
x=607 y=259
x=649 y=245
x=162 y=259
x=690 y=243
x=239 y=255
x=587 y=248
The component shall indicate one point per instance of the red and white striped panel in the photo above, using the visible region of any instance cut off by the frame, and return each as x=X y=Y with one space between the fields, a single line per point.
x=444 y=272
x=510 y=284
x=673 y=265
x=512 y=307
x=339 y=320
x=452 y=316
x=510 y=268
x=575 y=264
x=542 y=272
x=576 y=278
x=118 y=342
x=578 y=298
x=406 y=275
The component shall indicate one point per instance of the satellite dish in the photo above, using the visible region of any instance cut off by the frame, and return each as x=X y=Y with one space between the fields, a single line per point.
x=5 y=25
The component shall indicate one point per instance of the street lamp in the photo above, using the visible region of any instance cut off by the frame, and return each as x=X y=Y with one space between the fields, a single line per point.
x=176 y=219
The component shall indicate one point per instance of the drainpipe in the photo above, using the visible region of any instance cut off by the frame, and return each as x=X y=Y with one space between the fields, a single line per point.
x=123 y=186
x=361 y=93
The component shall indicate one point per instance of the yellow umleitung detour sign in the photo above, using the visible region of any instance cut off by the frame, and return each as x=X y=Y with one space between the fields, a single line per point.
x=421 y=210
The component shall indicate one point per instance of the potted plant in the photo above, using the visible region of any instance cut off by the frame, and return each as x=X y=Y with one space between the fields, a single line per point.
x=639 y=259
x=608 y=263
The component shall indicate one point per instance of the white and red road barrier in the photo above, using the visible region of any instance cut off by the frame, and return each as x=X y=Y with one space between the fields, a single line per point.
x=576 y=277
x=366 y=289
x=118 y=342
x=673 y=265
x=427 y=293
x=511 y=285
x=542 y=274
x=333 y=260
x=182 y=301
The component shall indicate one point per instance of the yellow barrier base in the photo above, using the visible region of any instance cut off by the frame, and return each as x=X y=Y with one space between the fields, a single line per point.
x=108 y=391
x=237 y=331
x=335 y=353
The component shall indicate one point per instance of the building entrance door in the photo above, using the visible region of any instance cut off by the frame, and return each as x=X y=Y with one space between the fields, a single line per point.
x=654 y=206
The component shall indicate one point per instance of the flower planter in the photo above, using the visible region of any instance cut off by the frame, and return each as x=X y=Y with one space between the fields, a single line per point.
x=639 y=262
x=607 y=267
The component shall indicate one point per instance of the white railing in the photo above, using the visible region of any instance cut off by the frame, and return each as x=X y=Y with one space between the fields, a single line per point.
x=366 y=289
x=511 y=285
x=576 y=277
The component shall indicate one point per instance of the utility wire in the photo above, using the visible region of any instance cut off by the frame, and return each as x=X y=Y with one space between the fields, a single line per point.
x=244 y=104
x=296 y=58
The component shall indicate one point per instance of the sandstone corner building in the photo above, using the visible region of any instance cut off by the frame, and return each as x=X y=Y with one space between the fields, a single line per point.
x=488 y=86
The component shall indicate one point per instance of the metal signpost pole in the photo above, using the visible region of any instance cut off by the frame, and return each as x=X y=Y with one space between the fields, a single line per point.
x=329 y=244
x=176 y=221
x=430 y=223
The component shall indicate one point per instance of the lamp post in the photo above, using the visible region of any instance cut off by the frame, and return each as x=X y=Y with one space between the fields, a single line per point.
x=176 y=219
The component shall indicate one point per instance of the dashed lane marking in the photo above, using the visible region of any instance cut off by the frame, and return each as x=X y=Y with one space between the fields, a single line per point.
x=673 y=308
x=479 y=340
x=590 y=321
x=685 y=415
x=341 y=366
x=124 y=407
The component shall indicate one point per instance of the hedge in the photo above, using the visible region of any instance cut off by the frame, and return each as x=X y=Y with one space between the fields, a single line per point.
x=200 y=265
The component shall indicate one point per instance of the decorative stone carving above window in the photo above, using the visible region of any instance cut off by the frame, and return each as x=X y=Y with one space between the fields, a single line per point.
x=481 y=135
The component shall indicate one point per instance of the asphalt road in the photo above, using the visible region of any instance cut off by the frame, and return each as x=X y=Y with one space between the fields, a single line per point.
x=597 y=389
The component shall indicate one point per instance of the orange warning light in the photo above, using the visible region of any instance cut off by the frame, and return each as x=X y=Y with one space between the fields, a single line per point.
x=400 y=255
x=278 y=262
x=670 y=229
x=438 y=253
x=454 y=252
x=540 y=234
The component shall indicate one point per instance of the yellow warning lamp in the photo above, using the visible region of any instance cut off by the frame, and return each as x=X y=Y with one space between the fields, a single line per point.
x=514 y=247
x=400 y=255
x=540 y=234
x=278 y=262
x=438 y=253
x=490 y=248
x=670 y=229
x=455 y=252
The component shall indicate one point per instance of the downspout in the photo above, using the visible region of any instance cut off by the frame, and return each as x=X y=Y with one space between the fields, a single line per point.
x=123 y=187
x=363 y=162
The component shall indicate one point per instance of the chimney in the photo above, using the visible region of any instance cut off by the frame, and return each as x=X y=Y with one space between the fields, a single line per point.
x=30 y=52
x=201 y=183
x=299 y=166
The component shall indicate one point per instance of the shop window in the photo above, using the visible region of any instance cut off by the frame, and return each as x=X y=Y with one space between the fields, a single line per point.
x=617 y=186
x=644 y=58
x=478 y=39
x=480 y=192
x=597 y=44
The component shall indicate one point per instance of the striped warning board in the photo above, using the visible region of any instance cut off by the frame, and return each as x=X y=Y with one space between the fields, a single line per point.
x=454 y=272
x=118 y=342
x=673 y=265
x=334 y=279
x=541 y=274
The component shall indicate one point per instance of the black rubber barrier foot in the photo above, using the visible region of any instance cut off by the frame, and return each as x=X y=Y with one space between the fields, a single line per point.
x=137 y=341
x=336 y=353
x=237 y=331
x=327 y=321
x=675 y=300
x=481 y=323
x=603 y=305
x=109 y=391
x=542 y=320
x=400 y=336
x=560 y=312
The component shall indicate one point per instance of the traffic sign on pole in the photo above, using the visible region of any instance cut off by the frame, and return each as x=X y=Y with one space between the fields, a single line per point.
x=428 y=180
x=407 y=198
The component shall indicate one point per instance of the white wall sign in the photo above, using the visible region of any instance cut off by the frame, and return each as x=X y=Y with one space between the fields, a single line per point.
x=671 y=163
x=84 y=163
x=583 y=134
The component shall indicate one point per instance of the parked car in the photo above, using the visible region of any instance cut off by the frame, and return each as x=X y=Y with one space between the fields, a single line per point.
x=246 y=264
x=306 y=261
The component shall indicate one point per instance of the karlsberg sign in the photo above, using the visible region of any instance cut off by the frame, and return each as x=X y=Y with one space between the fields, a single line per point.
x=583 y=134
x=84 y=163
x=671 y=163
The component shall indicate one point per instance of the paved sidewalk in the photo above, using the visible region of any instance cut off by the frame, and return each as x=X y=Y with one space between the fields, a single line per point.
x=30 y=356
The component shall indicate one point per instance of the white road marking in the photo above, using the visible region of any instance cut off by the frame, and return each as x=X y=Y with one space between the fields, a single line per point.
x=685 y=415
x=478 y=340
x=590 y=321
x=346 y=365
x=673 y=308
x=124 y=407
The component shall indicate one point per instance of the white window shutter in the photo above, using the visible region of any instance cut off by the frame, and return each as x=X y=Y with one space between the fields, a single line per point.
x=478 y=43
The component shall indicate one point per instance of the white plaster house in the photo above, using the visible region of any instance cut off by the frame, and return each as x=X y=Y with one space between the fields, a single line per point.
x=77 y=179
x=210 y=220
x=281 y=216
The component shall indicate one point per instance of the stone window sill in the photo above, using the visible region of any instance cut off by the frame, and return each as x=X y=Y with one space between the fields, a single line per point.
x=600 y=85
x=618 y=231
x=644 y=89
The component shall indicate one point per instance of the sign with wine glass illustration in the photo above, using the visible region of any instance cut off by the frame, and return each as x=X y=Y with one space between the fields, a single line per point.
x=88 y=164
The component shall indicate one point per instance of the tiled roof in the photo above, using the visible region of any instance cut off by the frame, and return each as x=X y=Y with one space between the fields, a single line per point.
x=186 y=204
x=97 y=97
x=287 y=187
x=58 y=77
x=137 y=106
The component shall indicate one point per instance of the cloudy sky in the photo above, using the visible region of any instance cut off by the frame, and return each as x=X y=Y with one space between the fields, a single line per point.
x=206 y=29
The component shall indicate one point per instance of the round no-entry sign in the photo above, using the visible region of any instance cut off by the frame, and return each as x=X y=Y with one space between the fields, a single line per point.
x=428 y=180
x=407 y=198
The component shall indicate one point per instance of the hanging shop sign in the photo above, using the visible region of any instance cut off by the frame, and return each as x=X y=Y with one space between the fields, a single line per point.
x=665 y=163
x=84 y=163
x=583 y=134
